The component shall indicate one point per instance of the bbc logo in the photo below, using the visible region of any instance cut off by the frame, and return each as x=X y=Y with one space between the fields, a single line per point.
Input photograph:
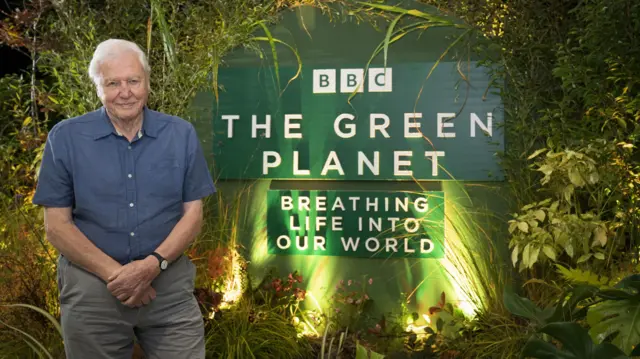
x=325 y=80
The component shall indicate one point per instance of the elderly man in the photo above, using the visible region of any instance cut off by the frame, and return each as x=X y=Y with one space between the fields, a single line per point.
x=122 y=189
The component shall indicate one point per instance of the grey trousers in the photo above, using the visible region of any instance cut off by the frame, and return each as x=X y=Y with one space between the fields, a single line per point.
x=97 y=325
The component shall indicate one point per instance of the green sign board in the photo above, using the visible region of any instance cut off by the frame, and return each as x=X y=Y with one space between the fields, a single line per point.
x=331 y=114
x=366 y=224
x=313 y=132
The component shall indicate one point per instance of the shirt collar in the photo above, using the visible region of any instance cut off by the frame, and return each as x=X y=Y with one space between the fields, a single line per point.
x=149 y=126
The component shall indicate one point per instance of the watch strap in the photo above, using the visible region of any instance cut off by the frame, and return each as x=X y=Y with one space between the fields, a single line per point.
x=160 y=260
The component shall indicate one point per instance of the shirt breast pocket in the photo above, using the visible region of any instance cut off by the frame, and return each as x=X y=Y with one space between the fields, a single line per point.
x=165 y=178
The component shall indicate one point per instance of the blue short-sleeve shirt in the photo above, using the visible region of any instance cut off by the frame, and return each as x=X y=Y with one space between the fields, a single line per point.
x=126 y=197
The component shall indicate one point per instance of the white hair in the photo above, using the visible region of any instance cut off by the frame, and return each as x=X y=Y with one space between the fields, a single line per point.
x=110 y=48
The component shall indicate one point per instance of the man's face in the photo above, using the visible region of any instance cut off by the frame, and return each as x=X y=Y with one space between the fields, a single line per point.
x=124 y=86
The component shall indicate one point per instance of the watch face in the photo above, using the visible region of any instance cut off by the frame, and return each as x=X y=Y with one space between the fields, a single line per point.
x=164 y=265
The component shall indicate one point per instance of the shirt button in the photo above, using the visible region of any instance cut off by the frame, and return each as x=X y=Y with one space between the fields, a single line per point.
x=132 y=234
x=129 y=147
x=130 y=204
x=129 y=175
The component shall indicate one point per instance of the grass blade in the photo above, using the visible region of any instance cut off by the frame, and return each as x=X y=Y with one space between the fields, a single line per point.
x=412 y=12
x=295 y=52
x=388 y=37
x=39 y=310
x=34 y=341
x=272 y=43
x=167 y=38
x=149 y=32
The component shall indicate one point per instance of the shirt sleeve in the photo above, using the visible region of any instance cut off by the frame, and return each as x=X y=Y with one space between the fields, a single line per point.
x=197 y=182
x=55 y=183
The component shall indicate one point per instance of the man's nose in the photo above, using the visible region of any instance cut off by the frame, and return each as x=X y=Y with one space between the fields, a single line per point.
x=126 y=90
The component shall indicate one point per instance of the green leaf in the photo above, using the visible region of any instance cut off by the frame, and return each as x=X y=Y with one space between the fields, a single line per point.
x=514 y=254
x=575 y=342
x=522 y=307
x=578 y=276
x=526 y=255
x=568 y=192
x=415 y=316
x=361 y=352
x=608 y=350
x=600 y=236
x=575 y=177
x=549 y=252
x=536 y=348
x=569 y=250
x=364 y=353
x=533 y=256
x=614 y=294
x=599 y=256
x=523 y=226
x=630 y=282
x=584 y=257
x=540 y=215
x=566 y=309
x=573 y=337
x=536 y=153
x=546 y=169
x=27 y=121
x=512 y=226
x=621 y=317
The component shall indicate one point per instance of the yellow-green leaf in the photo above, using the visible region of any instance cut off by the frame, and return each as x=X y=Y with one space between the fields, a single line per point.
x=569 y=249
x=600 y=236
x=540 y=215
x=599 y=255
x=584 y=257
x=523 y=226
x=549 y=252
x=512 y=226
x=536 y=153
x=546 y=169
x=568 y=191
x=27 y=121
x=525 y=255
x=575 y=177
x=533 y=256
x=514 y=254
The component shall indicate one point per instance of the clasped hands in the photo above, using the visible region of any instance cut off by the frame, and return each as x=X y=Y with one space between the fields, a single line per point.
x=131 y=283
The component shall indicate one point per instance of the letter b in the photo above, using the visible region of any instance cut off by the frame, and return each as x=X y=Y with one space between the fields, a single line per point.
x=324 y=81
x=351 y=79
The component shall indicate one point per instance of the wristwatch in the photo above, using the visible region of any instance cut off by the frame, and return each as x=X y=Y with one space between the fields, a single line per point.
x=163 y=262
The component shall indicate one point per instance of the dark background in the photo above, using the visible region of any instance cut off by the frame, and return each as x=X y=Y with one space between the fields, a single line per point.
x=11 y=60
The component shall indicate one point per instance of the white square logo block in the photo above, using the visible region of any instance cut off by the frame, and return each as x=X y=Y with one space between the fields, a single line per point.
x=380 y=80
x=351 y=79
x=324 y=81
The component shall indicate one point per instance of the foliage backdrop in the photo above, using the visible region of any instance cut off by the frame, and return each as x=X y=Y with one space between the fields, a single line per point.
x=569 y=77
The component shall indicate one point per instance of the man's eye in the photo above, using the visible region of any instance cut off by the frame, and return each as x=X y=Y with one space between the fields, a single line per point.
x=134 y=82
x=112 y=83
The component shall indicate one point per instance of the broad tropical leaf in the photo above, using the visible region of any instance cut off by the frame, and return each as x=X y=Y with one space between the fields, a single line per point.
x=575 y=341
x=619 y=317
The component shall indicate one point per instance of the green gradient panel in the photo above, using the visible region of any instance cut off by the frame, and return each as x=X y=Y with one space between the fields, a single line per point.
x=458 y=85
x=366 y=224
x=467 y=154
